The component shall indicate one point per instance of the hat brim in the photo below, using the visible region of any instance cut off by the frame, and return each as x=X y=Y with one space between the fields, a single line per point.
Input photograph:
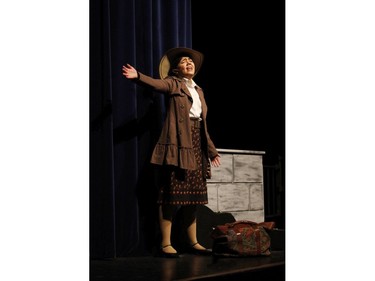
x=172 y=54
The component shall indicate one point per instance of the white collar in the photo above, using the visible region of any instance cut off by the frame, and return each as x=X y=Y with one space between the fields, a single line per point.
x=190 y=82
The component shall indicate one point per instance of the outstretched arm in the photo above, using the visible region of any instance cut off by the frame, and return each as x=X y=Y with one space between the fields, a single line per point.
x=159 y=85
x=129 y=71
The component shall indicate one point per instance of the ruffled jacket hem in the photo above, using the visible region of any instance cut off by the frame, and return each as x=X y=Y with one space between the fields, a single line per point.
x=169 y=154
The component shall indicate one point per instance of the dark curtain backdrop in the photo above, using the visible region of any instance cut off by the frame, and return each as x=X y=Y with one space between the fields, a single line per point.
x=125 y=120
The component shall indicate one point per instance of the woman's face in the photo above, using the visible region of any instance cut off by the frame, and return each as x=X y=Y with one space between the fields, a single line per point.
x=186 y=68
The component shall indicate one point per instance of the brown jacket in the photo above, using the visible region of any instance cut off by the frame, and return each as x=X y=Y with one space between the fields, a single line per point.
x=175 y=146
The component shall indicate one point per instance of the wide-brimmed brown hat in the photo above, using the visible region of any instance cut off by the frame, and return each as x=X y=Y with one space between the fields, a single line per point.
x=172 y=54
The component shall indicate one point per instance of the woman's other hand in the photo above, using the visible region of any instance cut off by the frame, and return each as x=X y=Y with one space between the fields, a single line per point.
x=215 y=162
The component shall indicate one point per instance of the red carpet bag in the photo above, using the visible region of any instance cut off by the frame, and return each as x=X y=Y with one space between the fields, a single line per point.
x=242 y=238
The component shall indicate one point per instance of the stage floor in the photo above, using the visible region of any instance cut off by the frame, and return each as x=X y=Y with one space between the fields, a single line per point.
x=190 y=267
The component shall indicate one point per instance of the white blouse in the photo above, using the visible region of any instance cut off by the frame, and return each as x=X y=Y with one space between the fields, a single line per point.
x=196 y=109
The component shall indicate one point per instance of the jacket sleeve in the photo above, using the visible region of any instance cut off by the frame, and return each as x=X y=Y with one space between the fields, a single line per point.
x=159 y=85
x=212 y=152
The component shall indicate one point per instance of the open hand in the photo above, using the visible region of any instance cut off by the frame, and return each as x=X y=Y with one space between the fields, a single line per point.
x=129 y=71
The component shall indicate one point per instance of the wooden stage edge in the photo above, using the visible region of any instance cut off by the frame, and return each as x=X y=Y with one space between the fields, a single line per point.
x=189 y=267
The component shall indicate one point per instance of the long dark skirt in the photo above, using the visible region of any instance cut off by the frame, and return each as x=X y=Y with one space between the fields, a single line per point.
x=186 y=187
